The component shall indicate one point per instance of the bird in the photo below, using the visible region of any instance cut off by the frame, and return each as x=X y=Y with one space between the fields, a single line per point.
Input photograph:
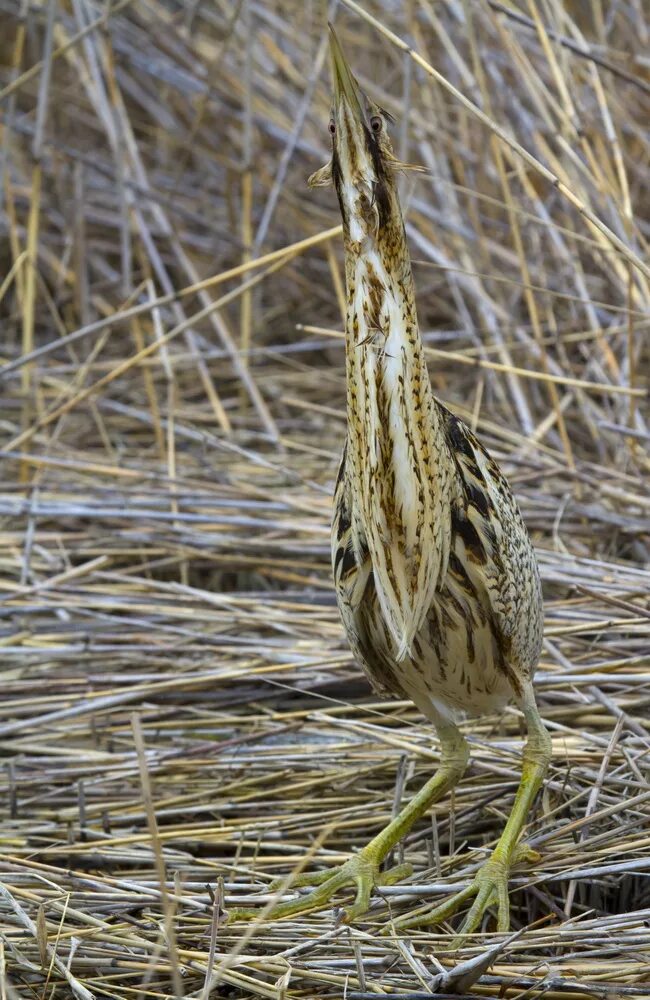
x=435 y=574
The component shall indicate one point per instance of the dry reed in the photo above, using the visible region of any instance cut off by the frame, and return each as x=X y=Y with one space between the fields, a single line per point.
x=181 y=719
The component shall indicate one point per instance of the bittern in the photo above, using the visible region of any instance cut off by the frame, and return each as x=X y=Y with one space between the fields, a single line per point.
x=435 y=574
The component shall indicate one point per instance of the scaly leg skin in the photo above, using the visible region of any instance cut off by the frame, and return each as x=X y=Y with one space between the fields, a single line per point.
x=490 y=884
x=363 y=869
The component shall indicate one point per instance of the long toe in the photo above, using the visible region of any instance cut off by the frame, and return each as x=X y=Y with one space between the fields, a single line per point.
x=360 y=871
x=426 y=917
x=490 y=886
x=362 y=900
x=473 y=919
x=310 y=901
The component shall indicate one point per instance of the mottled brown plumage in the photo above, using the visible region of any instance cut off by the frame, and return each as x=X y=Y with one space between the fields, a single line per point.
x=435 y=574
x=482 y=631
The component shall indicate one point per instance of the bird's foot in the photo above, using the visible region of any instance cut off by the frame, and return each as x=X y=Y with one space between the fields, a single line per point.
x=489 y=886
x=361 y=870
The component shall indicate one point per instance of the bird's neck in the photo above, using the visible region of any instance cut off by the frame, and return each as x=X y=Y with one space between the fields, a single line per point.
x=382 y=333
x=395 y=438
x=390 y=405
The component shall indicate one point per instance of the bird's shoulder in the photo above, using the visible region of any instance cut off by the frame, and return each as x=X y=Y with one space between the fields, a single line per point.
x=482 y=484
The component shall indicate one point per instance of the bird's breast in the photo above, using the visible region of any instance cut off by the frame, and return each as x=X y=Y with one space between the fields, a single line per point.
x=398 y=469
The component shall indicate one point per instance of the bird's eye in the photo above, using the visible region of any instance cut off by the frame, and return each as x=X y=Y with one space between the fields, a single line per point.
x=376 y=123
x=332 y=126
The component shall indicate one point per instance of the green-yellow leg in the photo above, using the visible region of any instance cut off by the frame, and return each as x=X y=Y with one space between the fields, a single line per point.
x=363 y=869
x=491 y=882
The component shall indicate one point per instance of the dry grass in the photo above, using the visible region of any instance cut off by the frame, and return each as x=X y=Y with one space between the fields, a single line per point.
x=181 y=719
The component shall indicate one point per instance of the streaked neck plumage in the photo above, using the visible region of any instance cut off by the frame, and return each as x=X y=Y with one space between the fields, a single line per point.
x=394 y=433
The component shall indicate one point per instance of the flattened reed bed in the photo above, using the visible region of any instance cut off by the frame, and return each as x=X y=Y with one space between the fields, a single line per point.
x=182 y=721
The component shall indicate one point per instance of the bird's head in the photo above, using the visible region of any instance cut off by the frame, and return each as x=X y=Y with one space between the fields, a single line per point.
x=363 y=165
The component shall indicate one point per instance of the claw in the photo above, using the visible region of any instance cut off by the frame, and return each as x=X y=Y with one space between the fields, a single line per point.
x=361 y=870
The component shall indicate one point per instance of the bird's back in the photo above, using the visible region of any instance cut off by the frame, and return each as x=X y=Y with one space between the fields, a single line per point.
x=482 y=635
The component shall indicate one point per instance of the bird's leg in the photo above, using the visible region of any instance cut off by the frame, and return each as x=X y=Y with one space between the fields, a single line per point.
x=490 y=884
x=363 y=869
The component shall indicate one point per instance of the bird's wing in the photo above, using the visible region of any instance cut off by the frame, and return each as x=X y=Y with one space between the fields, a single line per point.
x=490 y=539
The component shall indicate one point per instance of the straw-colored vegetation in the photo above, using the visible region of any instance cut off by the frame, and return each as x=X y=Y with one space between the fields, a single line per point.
x=181 y=720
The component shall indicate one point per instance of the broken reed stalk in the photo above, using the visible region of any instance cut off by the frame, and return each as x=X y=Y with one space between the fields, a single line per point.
x=164 y=515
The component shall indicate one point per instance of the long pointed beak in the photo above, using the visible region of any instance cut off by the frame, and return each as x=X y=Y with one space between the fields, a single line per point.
x=345 y=86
